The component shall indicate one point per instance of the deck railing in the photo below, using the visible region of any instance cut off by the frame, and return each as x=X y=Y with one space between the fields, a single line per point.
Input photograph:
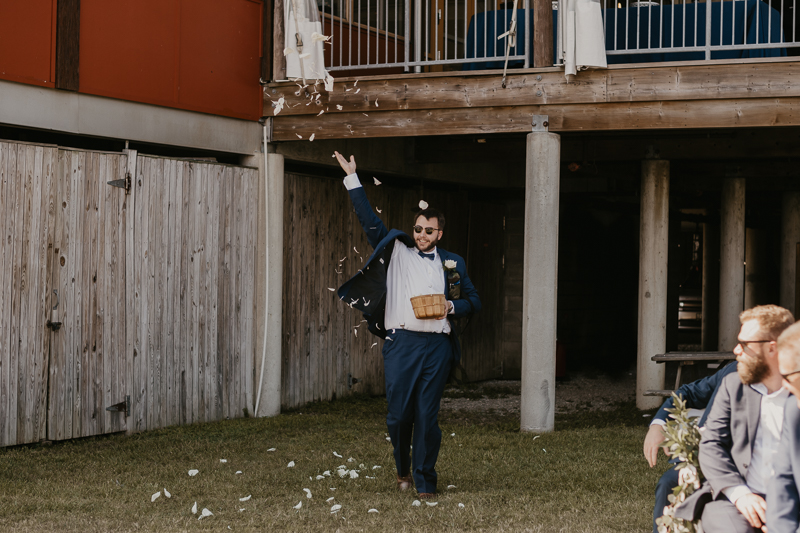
x=412 y=35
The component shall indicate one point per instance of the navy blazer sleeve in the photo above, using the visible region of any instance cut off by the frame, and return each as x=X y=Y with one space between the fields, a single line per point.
x=373 y=226
x=469 y=302
x=698 y=394
x=783 y=507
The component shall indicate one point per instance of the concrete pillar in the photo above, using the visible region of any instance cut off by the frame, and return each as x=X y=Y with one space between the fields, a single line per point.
x=710 y=319
x=653 y=264
x=539 y=285
x=269 y=283
x=731 y=268
x=790 y=236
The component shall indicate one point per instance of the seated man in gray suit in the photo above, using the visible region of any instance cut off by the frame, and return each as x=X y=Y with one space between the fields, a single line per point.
x=783 y=511
x=743 y=430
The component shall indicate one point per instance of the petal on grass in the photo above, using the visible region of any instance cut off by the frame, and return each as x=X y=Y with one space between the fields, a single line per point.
x=329 y=500
x=271 y=449
x=194 y=508
x=155 y=496
x=351 y=460
x=353 y=474
x=308 y=493
x=193 y=473
x=372 y=511
x=450 y=487
x=335 y=508
x=223 y=460
x=431 y=504
x=335 y=454
x=238 y=471
x=245 y=498
x=167 y=493
x=460 y=505
x=290 y=465
x=416 y=503
x=320 y=477
x=299 y=505
x=205 y=513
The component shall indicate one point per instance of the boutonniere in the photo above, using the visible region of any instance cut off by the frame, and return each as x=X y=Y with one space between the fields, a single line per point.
x=449 y=265
x=453 y=280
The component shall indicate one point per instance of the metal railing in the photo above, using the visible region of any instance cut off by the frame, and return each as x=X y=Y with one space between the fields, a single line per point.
x=682 y=30
x=410 y=35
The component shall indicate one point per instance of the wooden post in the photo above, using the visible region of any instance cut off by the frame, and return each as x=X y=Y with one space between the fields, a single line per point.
x=278 y=40
x=68 y=29
x=543 y=36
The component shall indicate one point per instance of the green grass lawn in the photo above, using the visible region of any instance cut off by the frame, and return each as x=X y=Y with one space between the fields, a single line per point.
x=588 y=475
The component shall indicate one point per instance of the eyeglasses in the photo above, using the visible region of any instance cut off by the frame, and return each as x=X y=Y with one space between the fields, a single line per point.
x=744 y=344
x=429 y=231
x=786 y=376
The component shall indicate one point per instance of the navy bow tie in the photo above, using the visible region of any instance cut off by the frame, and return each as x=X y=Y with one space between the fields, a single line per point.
x=426 y=256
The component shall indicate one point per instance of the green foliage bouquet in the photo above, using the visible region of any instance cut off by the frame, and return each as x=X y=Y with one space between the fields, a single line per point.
x=683 y=442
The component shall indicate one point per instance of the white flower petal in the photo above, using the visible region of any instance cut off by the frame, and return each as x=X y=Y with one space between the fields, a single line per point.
x=238 y=471
x=333 y=488
x=335 y=508
x=287 y=51
x=167 y=493
x=423 y=204
x=351 y=460
x=327 y=473
x=312 y=137
x=376 y=467
x=290 y=465
x=205 y=513
x=416 y=503
x=299 y=505
x=193 y=473
x=155 y=496
x=329 y=83
x=353 y=474
x=376 y=180
x=431 y=504
x=245 y=498
x=320 y=477
x=242 y=509
x=338 y=107
x=308 y=493
x=389 y=438
x=450 y=487
x=372 y=511
x=329 y=500
x=194 y=508
x=341 y=473
x=451 y=434
x=335 y=454
x=271 y=450
x=460 y=505
x=223 y=460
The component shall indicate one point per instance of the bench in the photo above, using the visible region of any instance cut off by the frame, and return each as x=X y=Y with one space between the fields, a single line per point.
x=687 y=358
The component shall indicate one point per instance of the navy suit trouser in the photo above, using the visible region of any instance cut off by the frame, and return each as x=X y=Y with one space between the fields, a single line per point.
x=416 y=366
x=664 y=488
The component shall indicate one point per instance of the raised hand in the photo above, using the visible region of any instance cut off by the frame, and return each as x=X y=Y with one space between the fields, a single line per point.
x=349 y=167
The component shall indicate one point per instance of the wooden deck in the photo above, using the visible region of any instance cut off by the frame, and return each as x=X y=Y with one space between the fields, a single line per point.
x=663 y=96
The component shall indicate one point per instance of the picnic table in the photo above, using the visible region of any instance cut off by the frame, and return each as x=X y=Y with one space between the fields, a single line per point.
x=684 y=359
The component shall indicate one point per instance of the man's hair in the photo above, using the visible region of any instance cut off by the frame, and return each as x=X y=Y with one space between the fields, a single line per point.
x=772 y=319
x=430 y=213
x=789 y=349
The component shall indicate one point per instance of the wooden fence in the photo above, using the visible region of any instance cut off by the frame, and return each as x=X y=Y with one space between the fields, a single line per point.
x=155 y=292
x=324 y=340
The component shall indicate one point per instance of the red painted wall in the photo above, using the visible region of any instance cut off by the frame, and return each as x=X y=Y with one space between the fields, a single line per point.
x=28 y=41
x=200 y=55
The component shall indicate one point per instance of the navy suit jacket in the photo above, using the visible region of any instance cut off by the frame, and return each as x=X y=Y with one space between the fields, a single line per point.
x=366 y=291
x=783 y=500
x=698 y=394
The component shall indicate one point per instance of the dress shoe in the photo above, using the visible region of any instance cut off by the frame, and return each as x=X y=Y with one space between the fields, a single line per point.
x=404 y=483
x=427 y=496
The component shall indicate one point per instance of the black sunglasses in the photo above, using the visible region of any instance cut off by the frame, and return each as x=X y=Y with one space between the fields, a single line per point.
x=786 y=376
x=429 y=231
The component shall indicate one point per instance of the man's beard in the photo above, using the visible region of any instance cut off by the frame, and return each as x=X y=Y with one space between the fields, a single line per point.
x=753 y=370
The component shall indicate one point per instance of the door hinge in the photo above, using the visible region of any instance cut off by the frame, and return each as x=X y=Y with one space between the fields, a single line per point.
x=351 y=381
x=121 y=407
x=124 y=183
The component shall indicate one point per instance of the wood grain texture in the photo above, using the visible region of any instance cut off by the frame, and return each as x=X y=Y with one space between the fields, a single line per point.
x=68 y=29
x=543 y=36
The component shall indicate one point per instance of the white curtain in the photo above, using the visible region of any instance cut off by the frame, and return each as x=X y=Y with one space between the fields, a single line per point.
x=580 y=34
x=303 y=15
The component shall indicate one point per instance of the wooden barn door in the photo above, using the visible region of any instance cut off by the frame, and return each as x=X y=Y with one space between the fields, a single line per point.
x=193 y=332
x=26 y=213
x=90 y=359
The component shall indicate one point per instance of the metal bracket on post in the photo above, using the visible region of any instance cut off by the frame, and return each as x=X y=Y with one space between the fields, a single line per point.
x=121 y=407
x=540 y=123
x=351 y=381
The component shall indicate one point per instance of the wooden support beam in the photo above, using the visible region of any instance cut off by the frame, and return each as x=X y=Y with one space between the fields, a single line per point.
x=617 y=84
x=68 y=32
x=267 y=49
x=734 y=113
x=278 y=40
x=543 y=36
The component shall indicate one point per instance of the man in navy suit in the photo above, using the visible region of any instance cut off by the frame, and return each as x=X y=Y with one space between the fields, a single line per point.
x=783 y=509
x=417 y=353
x=698 y=395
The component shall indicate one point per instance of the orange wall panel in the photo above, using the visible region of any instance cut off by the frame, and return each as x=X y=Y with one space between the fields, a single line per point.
x=28 y=41
x=200 y=55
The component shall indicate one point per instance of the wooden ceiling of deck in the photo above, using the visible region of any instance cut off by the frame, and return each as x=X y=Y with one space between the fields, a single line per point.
x=659 y=96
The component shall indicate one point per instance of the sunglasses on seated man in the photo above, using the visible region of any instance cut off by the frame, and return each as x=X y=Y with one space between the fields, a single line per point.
x=429 y=231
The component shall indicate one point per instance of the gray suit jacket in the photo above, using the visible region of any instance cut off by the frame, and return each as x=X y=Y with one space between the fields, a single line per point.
x=727 y=443
x=783 y=511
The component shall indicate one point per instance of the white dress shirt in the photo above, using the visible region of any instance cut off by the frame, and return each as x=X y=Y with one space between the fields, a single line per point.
x=765 y=447
x=410 y=275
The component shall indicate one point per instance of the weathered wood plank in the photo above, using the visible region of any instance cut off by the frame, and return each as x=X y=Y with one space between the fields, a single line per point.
x=186 y=348
x=142 y=254
x=161 y=280
x=88 y=275
x=57 y=378
x=153 y=293
x=47 y=262
x=129 y=232
x=194 y=223
x=584 y=117
x=213 y=374
x=73 y=242
x=172 y=244
x=642 y=83
x=251 y=228
x=236 y=289
x=16 y=230
x=106 y=244
x=224 y=348
x=6 y=251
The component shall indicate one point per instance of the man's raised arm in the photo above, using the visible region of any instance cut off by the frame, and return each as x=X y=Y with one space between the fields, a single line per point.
x=373 y=226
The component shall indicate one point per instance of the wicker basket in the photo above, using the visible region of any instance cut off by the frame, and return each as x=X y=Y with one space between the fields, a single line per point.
x=429 y=306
